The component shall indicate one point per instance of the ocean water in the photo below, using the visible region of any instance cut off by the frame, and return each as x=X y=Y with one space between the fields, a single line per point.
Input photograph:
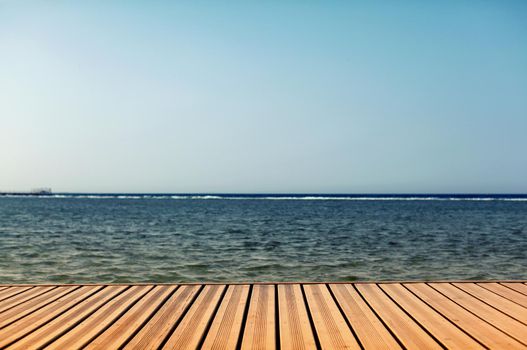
x=80 y=238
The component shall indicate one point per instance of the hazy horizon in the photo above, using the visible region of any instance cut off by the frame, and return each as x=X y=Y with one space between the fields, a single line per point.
x=275 y=97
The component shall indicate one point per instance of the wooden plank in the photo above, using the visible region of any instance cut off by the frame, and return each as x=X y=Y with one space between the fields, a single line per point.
x=502 y=304
x=84 y=332
x=20 y=311
x=152 y=335
x=295 y=327
x=498 y=319
x=226 y=327
x=519 y=287
x=10 y=292
x=331 y=327
x=260 y=327
x=119 y=332
x=442 y=329
x=22 y=297
x=60 y=325
x=192 y=328
x=405 y=329
x=40 y=317
x=473 y=325
x=352 y=316
x=369 y=329
x=511 y=294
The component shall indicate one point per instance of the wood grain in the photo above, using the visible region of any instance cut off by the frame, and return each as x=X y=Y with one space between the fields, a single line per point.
x=494 y=317
x=193 y=326
x=121 y=330
x=482 y=331
x=260 y=328
x=510 y=294
x=103 y=318
x=26 y=325
x=226 y=326
x=60 y=325
x=331 y=327
x=159 y=327
x=443 y=330
x=498 y=302
x=405 y=329
x=295 y=327
x=388 y=315
x=369 y=329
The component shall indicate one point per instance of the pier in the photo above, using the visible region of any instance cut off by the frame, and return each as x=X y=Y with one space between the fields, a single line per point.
x=387 y=315
x=45 y=191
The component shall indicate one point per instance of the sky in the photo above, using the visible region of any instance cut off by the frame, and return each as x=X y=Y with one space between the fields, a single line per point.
x=264 y=96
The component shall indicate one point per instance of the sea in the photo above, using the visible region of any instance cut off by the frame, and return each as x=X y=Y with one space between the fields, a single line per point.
x=163 y=238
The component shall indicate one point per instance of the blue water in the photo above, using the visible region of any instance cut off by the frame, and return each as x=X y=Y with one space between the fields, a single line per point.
x=196 y=237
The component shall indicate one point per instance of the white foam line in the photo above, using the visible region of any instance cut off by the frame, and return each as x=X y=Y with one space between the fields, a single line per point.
x=287 y=198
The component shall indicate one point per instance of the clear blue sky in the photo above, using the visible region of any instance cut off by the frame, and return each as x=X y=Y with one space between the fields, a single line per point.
x=269 y=96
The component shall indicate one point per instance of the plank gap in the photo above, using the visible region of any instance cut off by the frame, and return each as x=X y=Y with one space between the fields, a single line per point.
x=121 y=314
x=506 y=293
x=134 y=333
x=345 y=317
x=489 y=304
x=276 y=317
x=244 y=318
x=518 y=288
x=414 y=319
x=87 y=295
x=212 y=316
x=6 y=292
x=40 y=307
x=310 y=317
x=72 y=326
x=379 y=318
x=176 y=324
x=445 y=317
x=476 y=315
x=24 y=294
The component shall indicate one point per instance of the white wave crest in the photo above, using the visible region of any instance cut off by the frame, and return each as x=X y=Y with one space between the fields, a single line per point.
x=273 y=198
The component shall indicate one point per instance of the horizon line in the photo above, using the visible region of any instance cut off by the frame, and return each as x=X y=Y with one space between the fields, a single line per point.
x=277 y=193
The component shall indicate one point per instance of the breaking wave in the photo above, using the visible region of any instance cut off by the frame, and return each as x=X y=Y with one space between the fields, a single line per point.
x=506 y=198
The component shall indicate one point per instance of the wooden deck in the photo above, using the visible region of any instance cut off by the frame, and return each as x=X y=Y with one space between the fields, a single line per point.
x=439 y=315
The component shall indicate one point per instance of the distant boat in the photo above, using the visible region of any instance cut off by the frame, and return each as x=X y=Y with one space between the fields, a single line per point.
x=34 y=192
x=41 y=191
x=44 y=191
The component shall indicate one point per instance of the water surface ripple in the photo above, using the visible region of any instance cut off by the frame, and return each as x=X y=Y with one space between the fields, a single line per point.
x=80 y=240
